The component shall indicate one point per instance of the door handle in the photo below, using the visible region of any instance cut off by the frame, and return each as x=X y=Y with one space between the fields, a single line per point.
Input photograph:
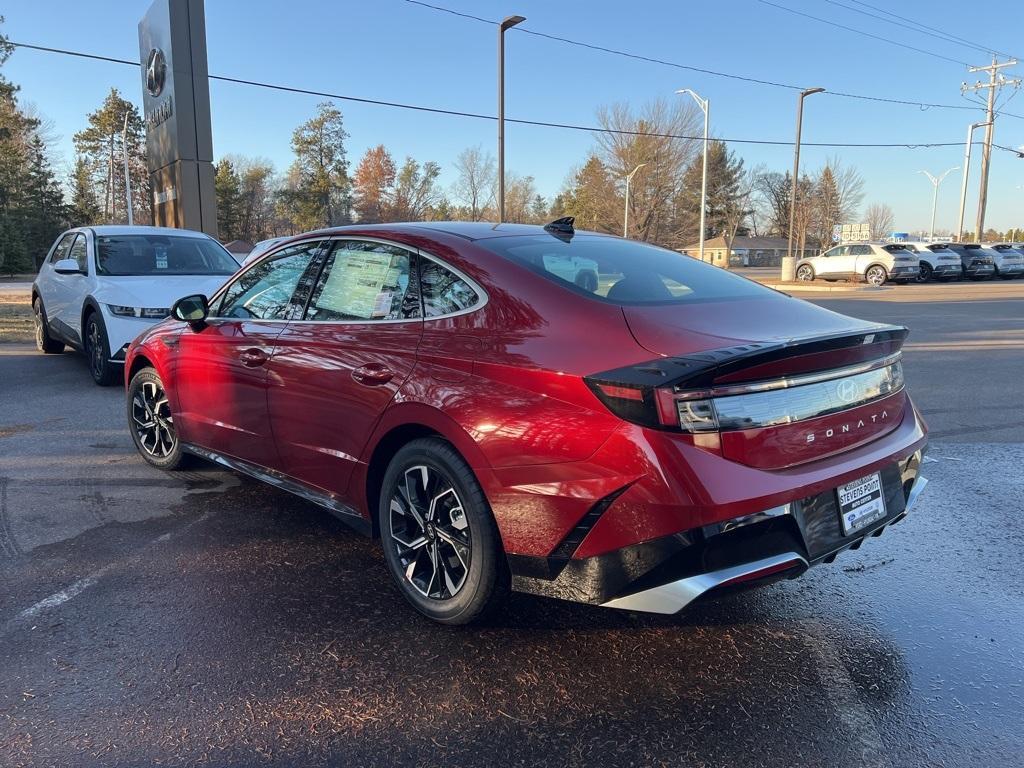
x=253 y=358
x=373 y=374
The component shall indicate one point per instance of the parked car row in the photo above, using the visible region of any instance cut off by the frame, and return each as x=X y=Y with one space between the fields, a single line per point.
x=917 y=261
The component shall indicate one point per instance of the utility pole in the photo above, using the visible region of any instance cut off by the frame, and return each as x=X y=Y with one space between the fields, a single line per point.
x=996 y=80
x=625 y=217
x=968 y=146
x=127 y=175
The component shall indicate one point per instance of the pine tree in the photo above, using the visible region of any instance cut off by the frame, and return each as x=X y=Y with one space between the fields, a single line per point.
x=591 y=197
x=41 y=204
x=85 y=209
x=227 y=186
x=374 y=182
x=101 y=145
x=318 y=191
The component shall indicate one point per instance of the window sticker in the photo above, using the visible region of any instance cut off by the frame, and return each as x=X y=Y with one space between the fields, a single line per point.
x=359 y=284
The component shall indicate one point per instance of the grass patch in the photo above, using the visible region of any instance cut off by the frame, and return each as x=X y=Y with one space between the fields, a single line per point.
x=16 y=317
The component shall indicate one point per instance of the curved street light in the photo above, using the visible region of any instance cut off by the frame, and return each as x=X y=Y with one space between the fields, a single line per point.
x=935 y=196
x=625 y=219
x=789 y=263
x=705 y=106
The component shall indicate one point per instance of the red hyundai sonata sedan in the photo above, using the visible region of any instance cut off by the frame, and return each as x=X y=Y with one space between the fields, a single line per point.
x=538 y=409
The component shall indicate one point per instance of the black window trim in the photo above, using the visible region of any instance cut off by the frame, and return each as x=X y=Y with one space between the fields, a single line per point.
x=56 y=243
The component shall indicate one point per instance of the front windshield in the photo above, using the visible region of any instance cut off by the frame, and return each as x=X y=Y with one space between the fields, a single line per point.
x=623 y=271
x=150 y=255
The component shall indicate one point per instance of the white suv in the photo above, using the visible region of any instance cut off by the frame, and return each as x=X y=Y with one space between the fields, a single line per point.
x=937 y=261
x=100 y=287
x=873 y=262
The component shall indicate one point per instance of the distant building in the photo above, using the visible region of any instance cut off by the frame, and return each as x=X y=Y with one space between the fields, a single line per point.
x=747 y=251
x=238 y=248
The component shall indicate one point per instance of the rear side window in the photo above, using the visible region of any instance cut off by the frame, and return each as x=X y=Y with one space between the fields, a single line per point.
x=624 y=271
x=444 y=292
x=860 y=250
x=364 y=281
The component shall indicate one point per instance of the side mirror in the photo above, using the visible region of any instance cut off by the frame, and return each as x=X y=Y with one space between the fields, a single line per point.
x=191 y=309
x=67 y=267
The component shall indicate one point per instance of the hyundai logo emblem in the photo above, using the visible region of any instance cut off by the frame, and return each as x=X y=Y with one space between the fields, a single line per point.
x=847 y=390
x=156 y=71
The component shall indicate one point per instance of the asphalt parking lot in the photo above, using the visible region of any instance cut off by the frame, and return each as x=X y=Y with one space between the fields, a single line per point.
x=204 y=619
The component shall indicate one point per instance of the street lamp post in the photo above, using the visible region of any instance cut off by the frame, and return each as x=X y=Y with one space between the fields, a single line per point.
x=935 y=195
x=705 y=106
x=625 y=218
x=789 y=263
x=507 y=23
x=963 y=185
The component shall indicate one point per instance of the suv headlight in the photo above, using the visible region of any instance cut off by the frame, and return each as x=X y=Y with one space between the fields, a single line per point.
x=149 y=313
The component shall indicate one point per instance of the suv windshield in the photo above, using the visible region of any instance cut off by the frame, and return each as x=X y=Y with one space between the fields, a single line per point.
x=130 y=255
x=623 y=271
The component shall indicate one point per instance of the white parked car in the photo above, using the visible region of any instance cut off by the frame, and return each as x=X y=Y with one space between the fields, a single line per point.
x=1008 y=260
x=262 y=247
x=100 y=287
x=872 y=262
x=936 y=261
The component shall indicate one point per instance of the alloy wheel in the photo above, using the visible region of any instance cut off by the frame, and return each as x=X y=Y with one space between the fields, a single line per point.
x=805 y=273
x=430 y=533
x=94 y=348
x=152 y=420
x=875 y=276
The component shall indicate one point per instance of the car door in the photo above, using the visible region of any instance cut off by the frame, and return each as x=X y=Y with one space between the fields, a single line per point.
x=861 y=258
x=220 y=375
x=833 y=262
x=338 y=368
x=63 y=300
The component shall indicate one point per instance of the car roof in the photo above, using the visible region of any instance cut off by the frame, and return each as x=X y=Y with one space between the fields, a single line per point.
x=123 y=229
x=468 y=230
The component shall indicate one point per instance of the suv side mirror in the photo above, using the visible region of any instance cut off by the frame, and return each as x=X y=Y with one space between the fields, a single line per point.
x=191 y=309
x=67 y=267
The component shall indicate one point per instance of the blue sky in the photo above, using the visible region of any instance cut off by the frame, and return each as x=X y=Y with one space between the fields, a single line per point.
x=395 y=51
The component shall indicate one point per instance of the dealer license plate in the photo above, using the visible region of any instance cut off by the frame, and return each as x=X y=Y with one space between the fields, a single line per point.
x=860 y=503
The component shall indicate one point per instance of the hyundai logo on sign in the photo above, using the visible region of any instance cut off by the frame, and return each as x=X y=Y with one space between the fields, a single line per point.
x=156 y=72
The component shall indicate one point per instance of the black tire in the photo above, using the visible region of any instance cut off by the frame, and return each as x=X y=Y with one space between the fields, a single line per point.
x=876 y=275
x=587 y=281
x=44 y=342
x=97 y=351
x=925 y=274
x=805 y=273
x=415 y=544
x=151 y=422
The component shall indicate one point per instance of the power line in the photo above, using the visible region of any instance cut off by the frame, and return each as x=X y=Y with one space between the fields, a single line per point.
x=863 y=33
x=937 y=35
x=932 y=29
x=690 y=68
x=480 y=116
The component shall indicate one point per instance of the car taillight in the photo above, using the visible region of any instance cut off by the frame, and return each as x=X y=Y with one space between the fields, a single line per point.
x=752 y=405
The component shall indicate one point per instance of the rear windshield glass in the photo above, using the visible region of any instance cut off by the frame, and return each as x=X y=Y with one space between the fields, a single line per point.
x=894 y=247
x=941 y=247
x=124 y=255
x=623 y=271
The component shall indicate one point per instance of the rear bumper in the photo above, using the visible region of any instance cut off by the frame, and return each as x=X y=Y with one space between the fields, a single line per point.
x=667 y=574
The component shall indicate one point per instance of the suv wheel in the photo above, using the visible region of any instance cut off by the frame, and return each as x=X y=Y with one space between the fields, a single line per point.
x=44 y=342
x=440 y=540
x=97 y=351
x=876 y=275
x=805 y=272
x=925 y=275
x=151 y=422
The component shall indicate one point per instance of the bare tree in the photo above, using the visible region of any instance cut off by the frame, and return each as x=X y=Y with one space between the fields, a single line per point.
x=850 y=187
x=474 y=186
x=772 y=192
x=879 y=218
x=655 y=186
x=519 y=196
x=736 y=210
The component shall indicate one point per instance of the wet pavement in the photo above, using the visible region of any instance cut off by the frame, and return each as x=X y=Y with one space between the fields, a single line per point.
x=204 y=619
